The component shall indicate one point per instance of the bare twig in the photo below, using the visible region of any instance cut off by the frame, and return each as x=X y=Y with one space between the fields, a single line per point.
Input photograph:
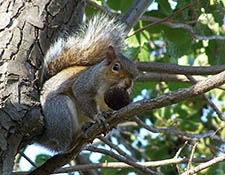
x=129 y=146
x=117 y=149
x=192 y=156
x=119 y=158
x=115 y=165
x=204 y=165
x=28 y=159
x=178 y=153
x=174 y=131
x=180 y=149
x=94 y=4
x=188 y=136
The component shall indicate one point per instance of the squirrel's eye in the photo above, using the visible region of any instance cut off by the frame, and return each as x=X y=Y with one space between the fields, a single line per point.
x=116 y=67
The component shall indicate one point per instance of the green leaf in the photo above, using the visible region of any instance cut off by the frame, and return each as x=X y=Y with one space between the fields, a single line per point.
x=216 y=52
x=132 y=52
x=119 y=5
x=164 y=7
x=179 y=42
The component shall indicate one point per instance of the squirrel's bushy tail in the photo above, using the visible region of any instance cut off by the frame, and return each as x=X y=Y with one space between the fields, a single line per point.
x=87 y=46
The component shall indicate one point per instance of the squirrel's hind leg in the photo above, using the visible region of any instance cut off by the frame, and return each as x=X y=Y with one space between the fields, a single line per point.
x=59 y=122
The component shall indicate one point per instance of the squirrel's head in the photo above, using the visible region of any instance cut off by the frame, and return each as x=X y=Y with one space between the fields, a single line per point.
x=120 y=71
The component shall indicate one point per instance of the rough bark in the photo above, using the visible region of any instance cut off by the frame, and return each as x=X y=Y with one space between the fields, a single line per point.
x=26 y=30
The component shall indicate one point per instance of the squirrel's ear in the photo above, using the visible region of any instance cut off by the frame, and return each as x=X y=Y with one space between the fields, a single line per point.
x=110 y=54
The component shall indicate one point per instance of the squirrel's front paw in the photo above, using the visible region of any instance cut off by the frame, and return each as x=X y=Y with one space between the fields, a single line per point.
x=100 y=119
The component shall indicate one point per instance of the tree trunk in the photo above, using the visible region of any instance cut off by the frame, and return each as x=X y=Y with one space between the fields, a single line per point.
x=26 y=30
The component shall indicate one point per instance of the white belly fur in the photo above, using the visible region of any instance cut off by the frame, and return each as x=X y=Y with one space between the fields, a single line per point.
x=99 y=98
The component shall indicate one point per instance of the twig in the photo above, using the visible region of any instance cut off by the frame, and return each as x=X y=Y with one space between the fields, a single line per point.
x=129 y=146
x=117 y=149
x=116 y=165
x=180 y=149
x=188 y=136
x=92 y=3
x=178 y=153
x=204 y=165
x=191 y=156
x=119 y=158
x=28 y=159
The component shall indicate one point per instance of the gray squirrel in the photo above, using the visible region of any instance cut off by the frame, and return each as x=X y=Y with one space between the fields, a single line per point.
x=81 y=69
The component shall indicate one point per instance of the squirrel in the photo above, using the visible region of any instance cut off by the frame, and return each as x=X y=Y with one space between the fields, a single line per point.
x=76 y=73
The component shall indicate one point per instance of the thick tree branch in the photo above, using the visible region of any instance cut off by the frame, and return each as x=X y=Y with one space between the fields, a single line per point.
x=134 y=13
x=178 y=69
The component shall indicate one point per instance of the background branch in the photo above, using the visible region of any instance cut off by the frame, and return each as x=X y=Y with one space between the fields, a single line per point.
x=178 y=69
x=119 y=158
x=116 y=165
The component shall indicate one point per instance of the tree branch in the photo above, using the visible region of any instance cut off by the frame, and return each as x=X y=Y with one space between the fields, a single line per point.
x=188 y=136
x=134 y=13
x=119 y=158
x=178 y=69
x=106 y=141
x=116 y=165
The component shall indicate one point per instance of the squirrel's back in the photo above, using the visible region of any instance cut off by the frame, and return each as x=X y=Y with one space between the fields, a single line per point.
x=85 y=47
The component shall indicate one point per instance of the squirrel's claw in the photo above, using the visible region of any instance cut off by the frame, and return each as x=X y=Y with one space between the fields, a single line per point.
x=100 y=119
